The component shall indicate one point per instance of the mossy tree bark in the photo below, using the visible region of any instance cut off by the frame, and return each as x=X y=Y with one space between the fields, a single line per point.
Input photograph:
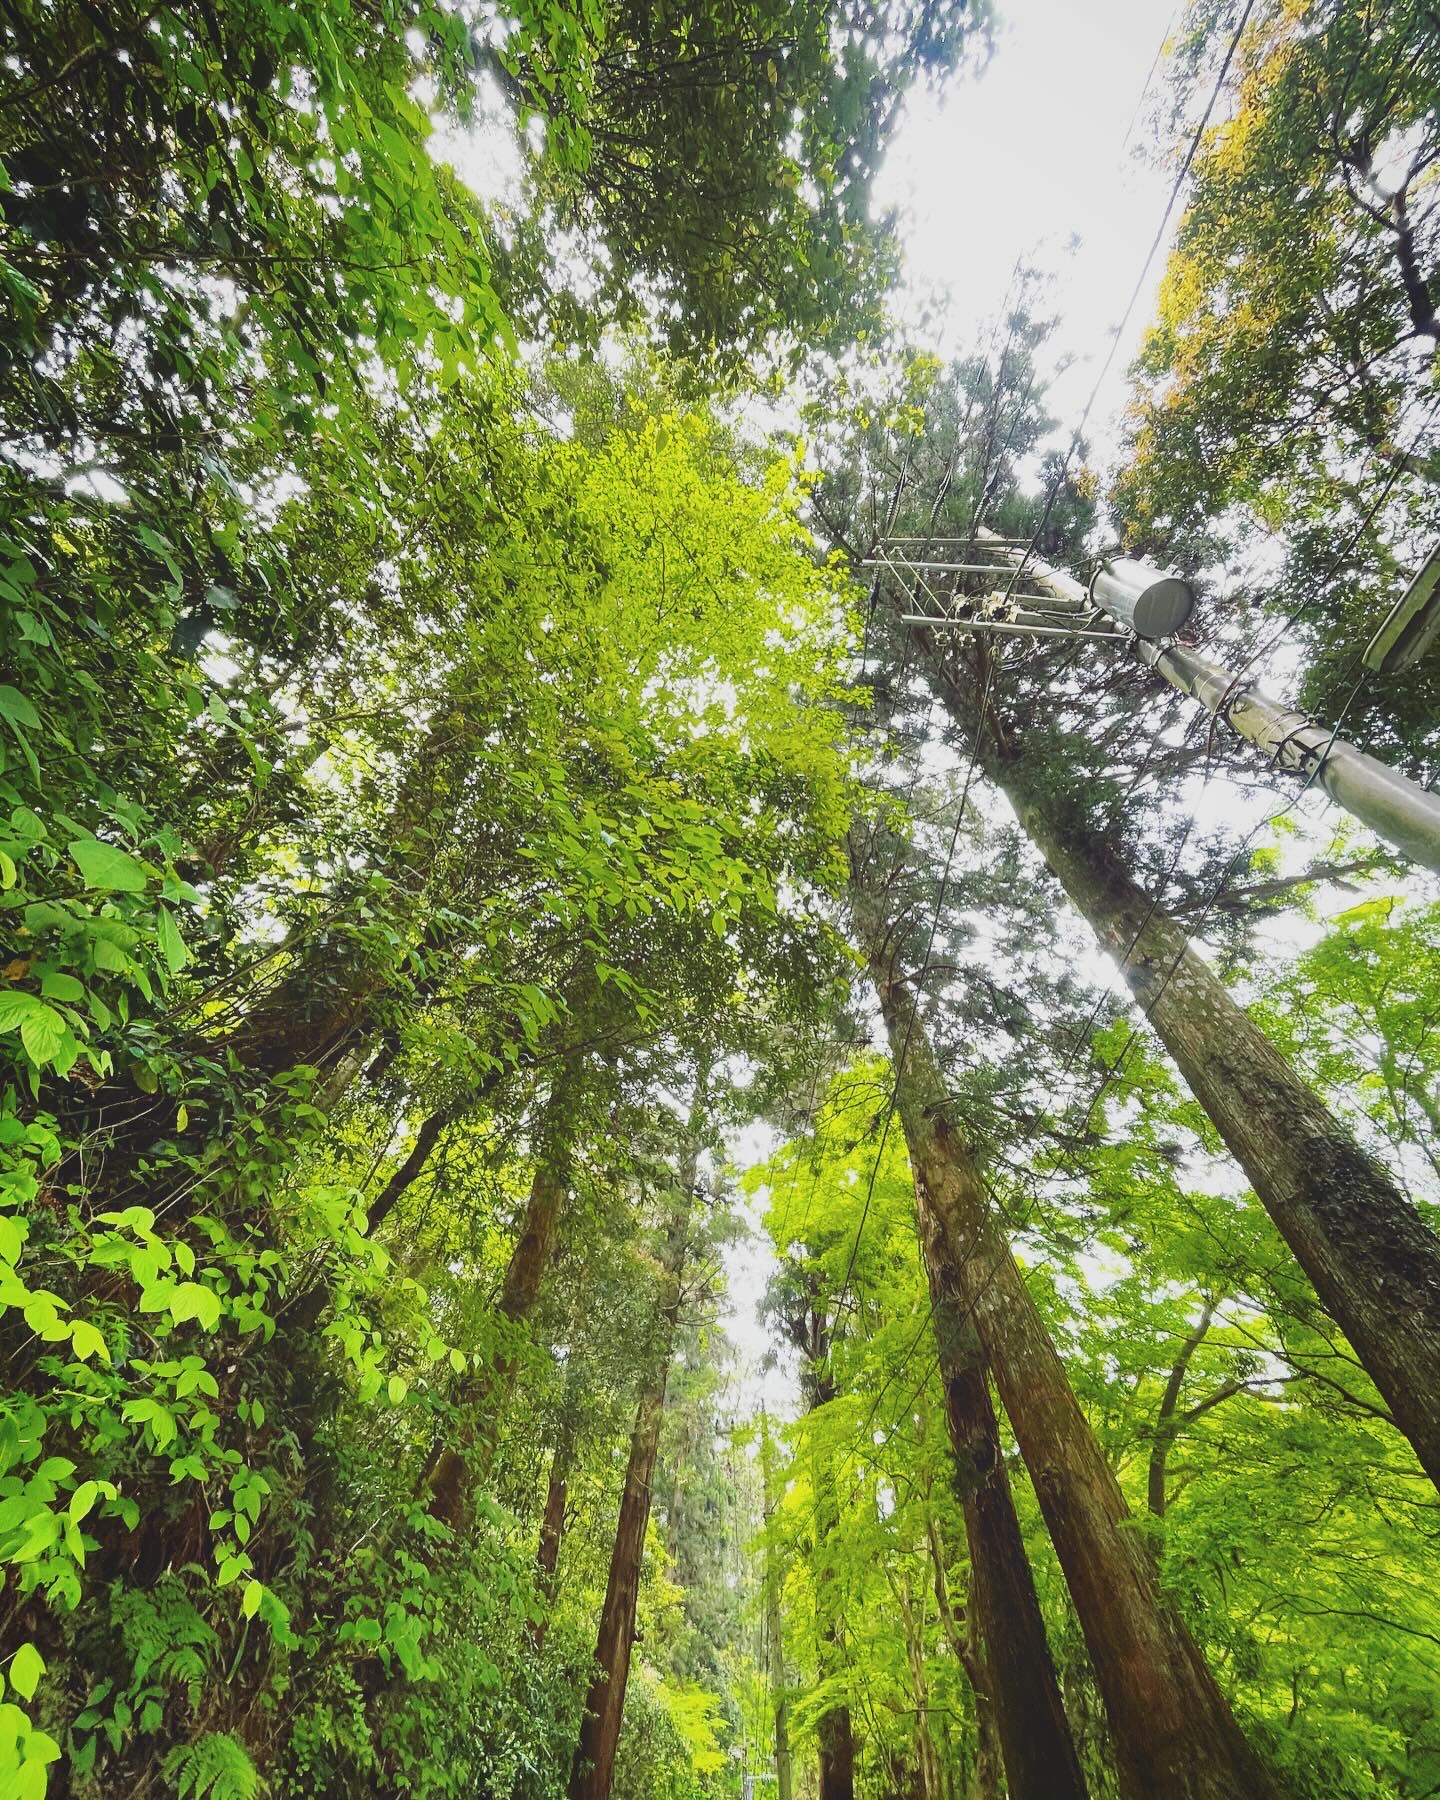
x=1022 y=1688
x=1373 y=1261
x=1175 y=1736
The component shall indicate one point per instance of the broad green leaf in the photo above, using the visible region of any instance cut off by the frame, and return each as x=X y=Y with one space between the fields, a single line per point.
x=17 y=709
x=26 y=1668
x=86 y=1341
x=82 y=1500
x=42 y=1032
x=107 y=867
x=172 y=945
x=193 y=1300
x=16 y=1007
x=56 y=985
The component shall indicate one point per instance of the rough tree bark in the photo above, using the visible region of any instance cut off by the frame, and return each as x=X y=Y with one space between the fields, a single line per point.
x=593 y=1766
x=1023 y=1690
x=1175 y=1736
x=1373 y=1261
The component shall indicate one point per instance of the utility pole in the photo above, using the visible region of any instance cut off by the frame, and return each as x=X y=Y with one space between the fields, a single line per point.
x=1130 y=602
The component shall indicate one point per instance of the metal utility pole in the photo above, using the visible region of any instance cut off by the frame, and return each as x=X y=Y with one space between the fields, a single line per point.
x=1141 y=605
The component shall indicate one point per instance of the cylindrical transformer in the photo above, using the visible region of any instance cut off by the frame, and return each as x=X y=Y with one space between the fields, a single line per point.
x=1152 y=604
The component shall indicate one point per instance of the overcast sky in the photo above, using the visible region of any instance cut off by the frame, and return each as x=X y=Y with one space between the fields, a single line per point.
x=1049 y=147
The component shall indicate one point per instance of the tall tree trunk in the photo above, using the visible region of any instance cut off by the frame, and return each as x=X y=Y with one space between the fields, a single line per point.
x=1373 y=1261
x=1023 y=1690
x=1175 y=1736
x=775 y=1627
x=557 y=1489
x=987 y=1781
x=834 y=1730
x=594 y=1762
x=448 y=1477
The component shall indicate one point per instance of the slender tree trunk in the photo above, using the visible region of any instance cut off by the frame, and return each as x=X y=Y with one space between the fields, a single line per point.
x=557 y=1489
x=594 y=1762
x=1023 y=1691
x=1373 y=1261
x=927 y=1761
x=834 y=1731
x=987 y=1781
x=1175 y=1736
x=448 y=1478
x=775 y=1628
x=1165 y=1422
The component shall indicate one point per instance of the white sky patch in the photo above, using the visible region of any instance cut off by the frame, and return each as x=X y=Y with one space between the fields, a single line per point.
x=1048 y=148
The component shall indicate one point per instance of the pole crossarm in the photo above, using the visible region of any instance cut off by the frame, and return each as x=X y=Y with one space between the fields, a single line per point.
x=1394 y=807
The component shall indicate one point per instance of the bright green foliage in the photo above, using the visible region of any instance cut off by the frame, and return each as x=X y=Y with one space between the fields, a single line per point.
x=413 y=765
x=1292 y=1532
x=1292 y=1514
x=1357 y=1012
x=1287 y=387
x=213 y=1768
x=869 y=1528
x=601 y=800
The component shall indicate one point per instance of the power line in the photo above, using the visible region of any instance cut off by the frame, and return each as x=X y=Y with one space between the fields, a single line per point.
x=1179 y=182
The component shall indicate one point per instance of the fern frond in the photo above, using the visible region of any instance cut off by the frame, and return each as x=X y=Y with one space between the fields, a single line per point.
x=214 y=1767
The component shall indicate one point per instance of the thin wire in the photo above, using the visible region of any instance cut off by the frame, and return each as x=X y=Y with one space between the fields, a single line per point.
x=1145 y=91
x=1135 y=292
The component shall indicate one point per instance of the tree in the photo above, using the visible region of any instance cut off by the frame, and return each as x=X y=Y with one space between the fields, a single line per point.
x=1173 y=1729
x=731 y=148
x=594 y=1763
x=1354 y=1232
x=1285 y=393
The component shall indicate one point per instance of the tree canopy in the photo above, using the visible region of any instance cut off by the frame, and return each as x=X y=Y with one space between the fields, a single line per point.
x=622 y=1174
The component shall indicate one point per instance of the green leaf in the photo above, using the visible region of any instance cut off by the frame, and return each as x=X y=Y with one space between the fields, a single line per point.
x=42 y=1032
x=251 y=1598
x=82 y=1500
x=12 y=1239
x=192 y=1300
x=86 y=1341
x=56 y=985
x=172 y=945
x=107 y=867
x=16 y=1007
x=26 y=1668
x=398 y=1388
x=17 y=709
